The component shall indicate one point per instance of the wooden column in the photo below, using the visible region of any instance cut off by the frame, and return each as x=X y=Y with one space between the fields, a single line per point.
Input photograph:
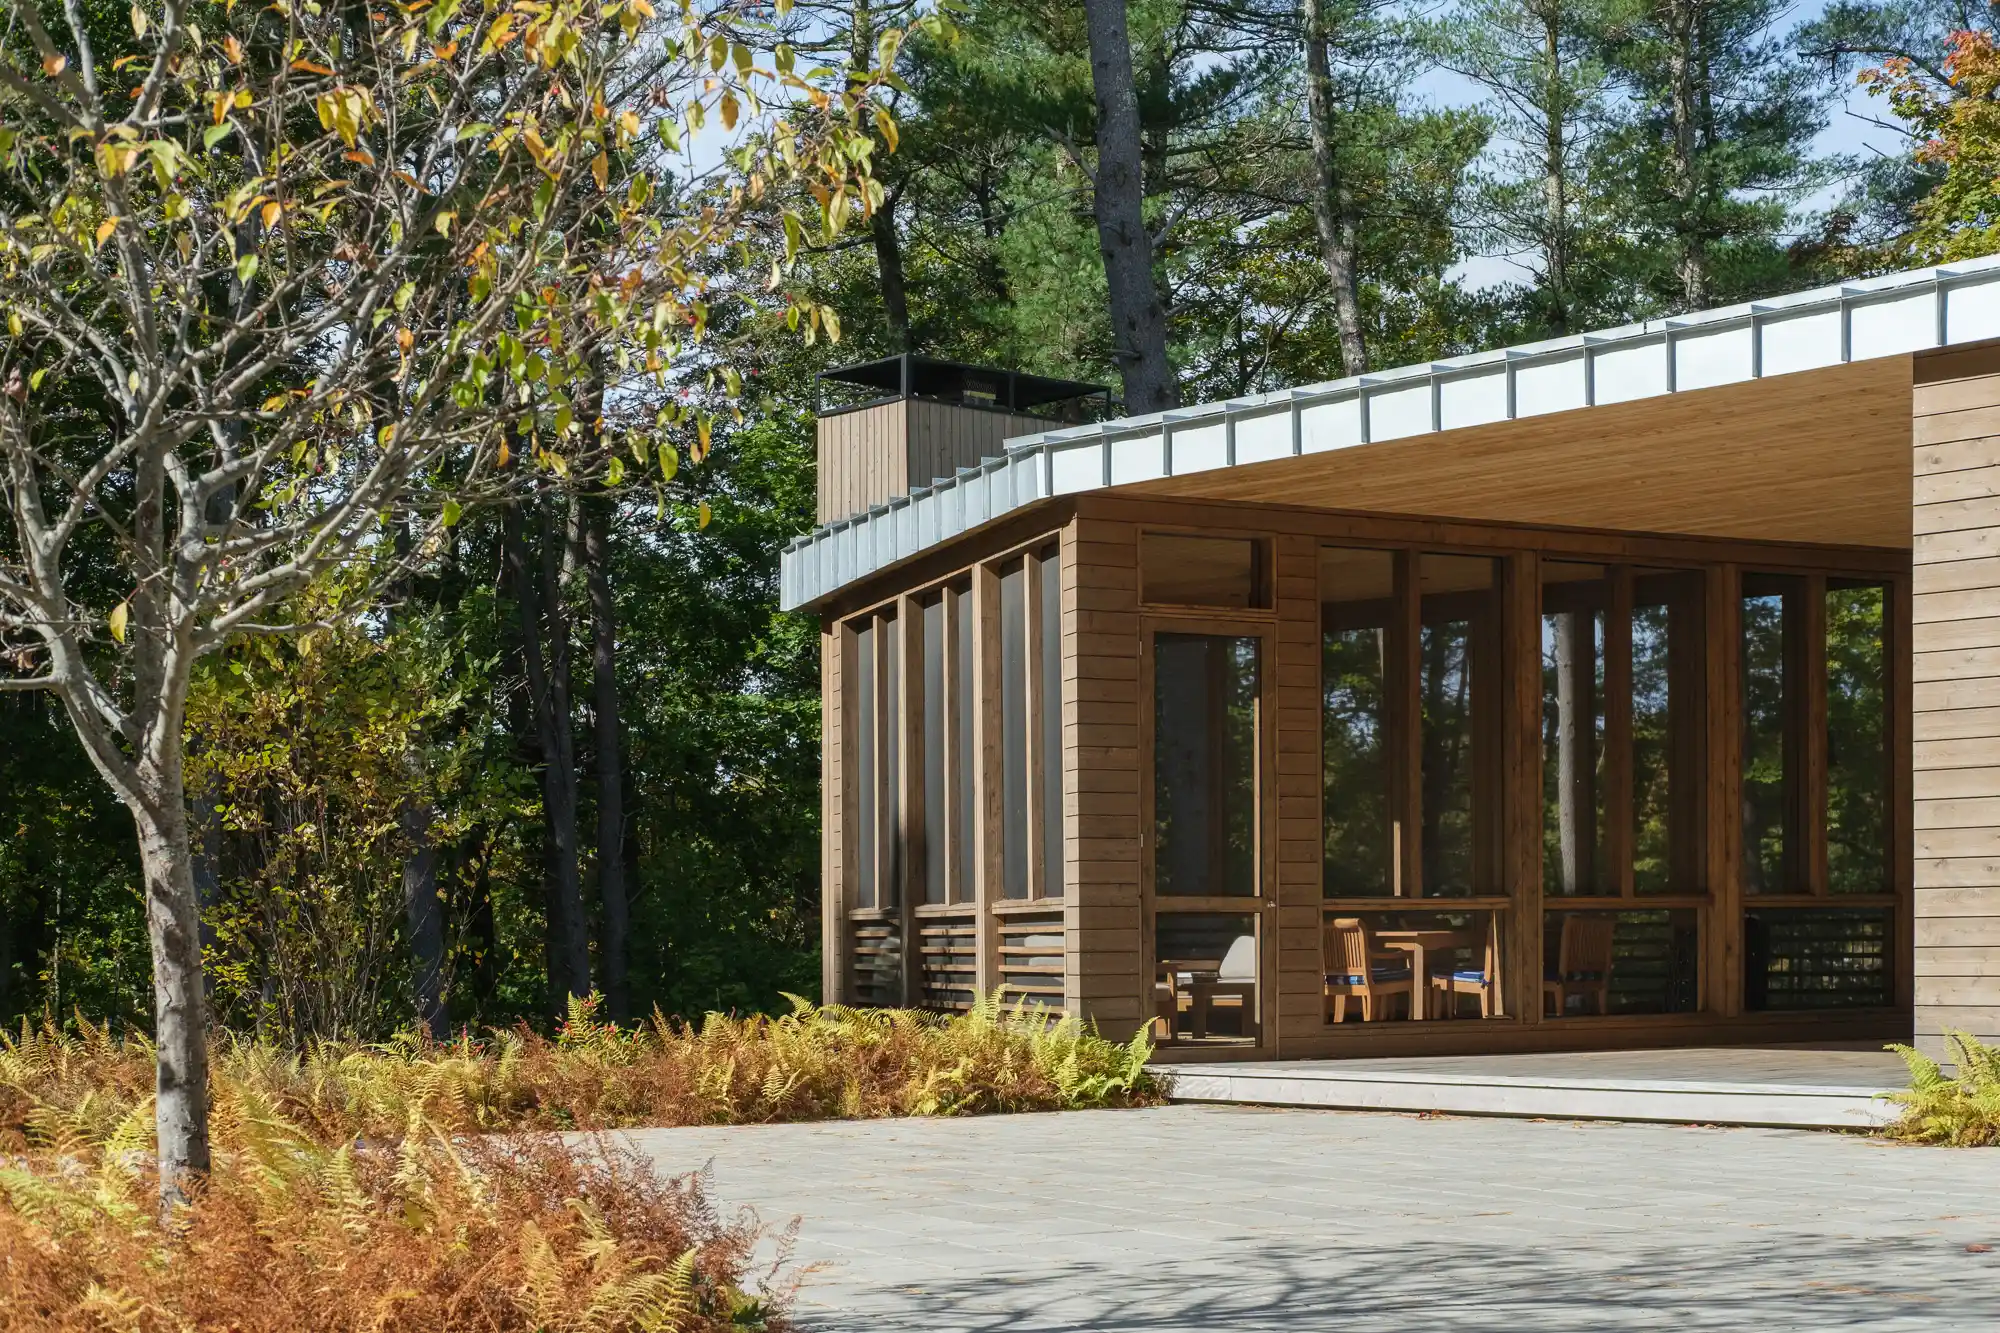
x=1294 y=1003
x=836 y=851
x=1955 y=694
x=958 y=858
x=1722 y=807
x=1113 y=982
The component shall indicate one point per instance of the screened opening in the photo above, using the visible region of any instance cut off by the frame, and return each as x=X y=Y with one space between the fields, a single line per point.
x=1601 y=963
x=944 y=740
x=1397 y=966
x=868 y=786
x=1773 y=646
x=1205 y=977
x=1621 y=731
x=1857 y=742
x=1051 y=704
x=1456 y=690
x=1359 y=832
x=1014 y=732
x=1225 y=572
x=1575 y=861
x=1816 y=958
x=1206 y=705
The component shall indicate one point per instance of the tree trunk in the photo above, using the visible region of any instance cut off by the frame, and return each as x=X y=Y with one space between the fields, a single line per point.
x=1138 y=319
x=205 y=865
x=568 y=951
x=423 y=917
x=1335 y=216
x=1555 y=176
x=889 y=265
x=180 y=1007
x=610 y=760
x=1686 y=64
x=1576 y=749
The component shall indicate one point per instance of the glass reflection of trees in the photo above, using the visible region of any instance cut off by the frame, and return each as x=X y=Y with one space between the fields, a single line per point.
x=1355 y=763
x=1857 y=837
x=1205 y=690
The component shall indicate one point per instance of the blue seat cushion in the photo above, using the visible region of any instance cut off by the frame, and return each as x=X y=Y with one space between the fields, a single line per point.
x=1553 y=975
x=1464 y=974
x=1378 y=974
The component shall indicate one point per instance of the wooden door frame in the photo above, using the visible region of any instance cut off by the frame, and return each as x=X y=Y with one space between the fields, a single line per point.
x=1263 y=907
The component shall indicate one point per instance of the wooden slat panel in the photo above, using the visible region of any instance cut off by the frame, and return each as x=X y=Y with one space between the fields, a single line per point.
x=1104 y=977
x=1954 y=638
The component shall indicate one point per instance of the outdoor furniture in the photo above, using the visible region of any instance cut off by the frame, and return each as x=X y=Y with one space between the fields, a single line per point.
x=1449 y=982
x=1235 y=978
x=1583 y=962
x=1420 y=944
x=1357 y=965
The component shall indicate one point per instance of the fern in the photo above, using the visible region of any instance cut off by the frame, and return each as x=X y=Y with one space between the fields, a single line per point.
x=1963 y=1111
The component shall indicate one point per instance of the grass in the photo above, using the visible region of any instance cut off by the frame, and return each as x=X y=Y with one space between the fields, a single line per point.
x=1962 y=1111
x=355 y=1188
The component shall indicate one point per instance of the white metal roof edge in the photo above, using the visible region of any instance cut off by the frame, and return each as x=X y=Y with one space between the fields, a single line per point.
x=1890 y=315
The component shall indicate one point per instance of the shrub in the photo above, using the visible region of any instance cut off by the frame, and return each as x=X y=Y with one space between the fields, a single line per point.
x=811 y=1064
x=429 y=1233
x=1962 y=1111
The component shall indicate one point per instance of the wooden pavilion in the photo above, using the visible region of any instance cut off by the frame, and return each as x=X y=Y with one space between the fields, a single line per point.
x=1632 y=689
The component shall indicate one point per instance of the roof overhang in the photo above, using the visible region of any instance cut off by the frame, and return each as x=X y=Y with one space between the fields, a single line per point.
x=1599 y=394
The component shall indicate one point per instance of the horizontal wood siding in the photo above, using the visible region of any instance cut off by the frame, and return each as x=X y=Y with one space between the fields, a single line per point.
x=1105 y=979
x=1955 y=718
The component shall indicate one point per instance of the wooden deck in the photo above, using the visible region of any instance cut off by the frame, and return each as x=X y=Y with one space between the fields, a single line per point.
x=1811 y=1088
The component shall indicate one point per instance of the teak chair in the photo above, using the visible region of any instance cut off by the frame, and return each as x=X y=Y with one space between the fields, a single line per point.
x=1583 y=962
x=1483 y=981
x=1355 y=966
x=1235 y=979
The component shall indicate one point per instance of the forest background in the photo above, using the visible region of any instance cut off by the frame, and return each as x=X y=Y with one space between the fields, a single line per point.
x=595 y=698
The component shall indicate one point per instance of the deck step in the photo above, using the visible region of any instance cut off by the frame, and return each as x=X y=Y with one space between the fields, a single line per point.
x=1690 y=1091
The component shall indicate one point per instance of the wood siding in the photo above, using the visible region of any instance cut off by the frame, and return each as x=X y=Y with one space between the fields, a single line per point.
x=1101 y=801
x=1955 y=705
x=872 y=454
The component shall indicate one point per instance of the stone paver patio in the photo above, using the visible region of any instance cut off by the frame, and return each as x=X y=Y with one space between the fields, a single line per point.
x=1218 y=1217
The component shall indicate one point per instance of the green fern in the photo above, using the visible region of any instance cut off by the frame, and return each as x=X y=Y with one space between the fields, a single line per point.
x=1963 y=1111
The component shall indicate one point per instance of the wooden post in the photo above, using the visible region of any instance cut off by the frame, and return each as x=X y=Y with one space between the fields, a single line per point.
x=836 y=778
x=1722 y=973
x=1896 y=627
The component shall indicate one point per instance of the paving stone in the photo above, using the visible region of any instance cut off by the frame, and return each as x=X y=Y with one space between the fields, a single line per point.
x=1189 y=1218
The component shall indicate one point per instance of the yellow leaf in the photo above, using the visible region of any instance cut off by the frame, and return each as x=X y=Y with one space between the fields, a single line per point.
x=54 y=65
x=232 y=49
x=120 y=614
x=506 y=454
x=600 y=170
x=701 y=515
x=271 y=213
x=138 y=22
x=729 y=111
x=105 y=228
